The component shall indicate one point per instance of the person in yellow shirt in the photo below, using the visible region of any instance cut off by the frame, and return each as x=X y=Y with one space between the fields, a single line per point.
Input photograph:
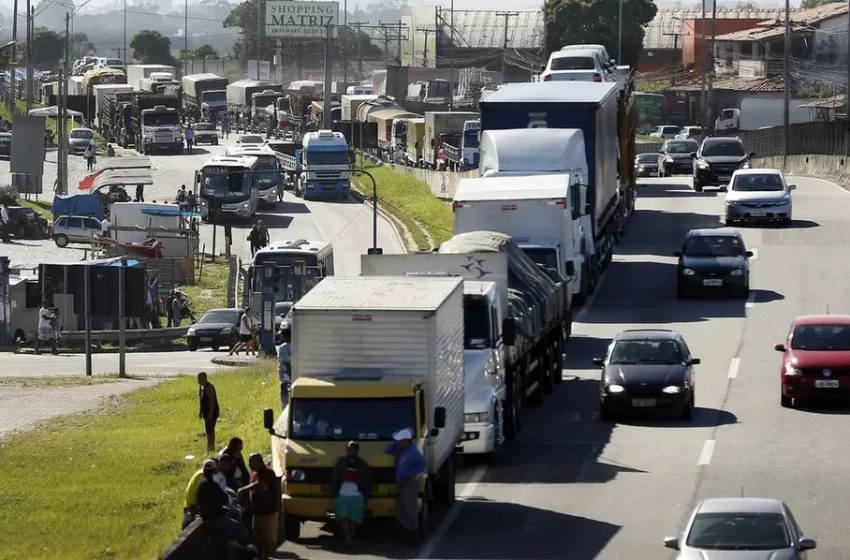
x=190 y=499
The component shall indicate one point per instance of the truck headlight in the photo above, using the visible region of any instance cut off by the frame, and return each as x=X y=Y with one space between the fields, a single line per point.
x=476 y=417
x=244 y=206
x=191 y=331
x=688 y=272
x=297 y=475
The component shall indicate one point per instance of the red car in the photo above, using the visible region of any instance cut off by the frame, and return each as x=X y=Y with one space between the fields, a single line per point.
x=816 y=358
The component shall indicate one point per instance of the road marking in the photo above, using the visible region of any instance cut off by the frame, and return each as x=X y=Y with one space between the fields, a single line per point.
x=755 y=253
x=438 y=535
x=751 y=300
x=733 y=368
x=707 y=452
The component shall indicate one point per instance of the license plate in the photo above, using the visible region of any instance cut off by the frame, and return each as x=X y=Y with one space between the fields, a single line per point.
x=826 y=383
x=758 y=214
x=328 y=187
x=643 y=403
x=712 y=282
x=724 y=177
x=206 y=339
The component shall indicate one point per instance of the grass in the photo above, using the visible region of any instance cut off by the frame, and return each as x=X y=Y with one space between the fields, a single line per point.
x=56 y=382
x=646 y=138
x=427 y=218
x=52 y=124
x=40 y=206
x=110 y=485
x=211 y=291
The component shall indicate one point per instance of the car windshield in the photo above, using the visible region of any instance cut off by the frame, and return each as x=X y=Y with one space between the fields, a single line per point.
x=723 y=148
x=282 y=308
x=758 y=182
x=204 y=126
x=823 y=338
x=647 y=158
x=78 y=133
x=251 y=140
x=573 y=63
x=220 y=316
x=646 y=352
x=670 y=130
x=713 y=246
x=682 y=147
x=351 y=419
x=739 y=531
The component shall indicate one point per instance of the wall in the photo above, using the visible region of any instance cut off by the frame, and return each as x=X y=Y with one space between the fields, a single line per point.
x=692 y=31
x=442 y=183
x=829 y=45
x=190 y=545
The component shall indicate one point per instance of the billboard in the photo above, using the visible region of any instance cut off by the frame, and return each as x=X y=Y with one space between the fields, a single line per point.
x=301 y=20
x=28 y=145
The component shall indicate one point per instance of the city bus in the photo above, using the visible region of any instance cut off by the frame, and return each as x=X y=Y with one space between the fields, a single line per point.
x=270 y=177
x=227 y=187
x=651 y=111
x=303 y=264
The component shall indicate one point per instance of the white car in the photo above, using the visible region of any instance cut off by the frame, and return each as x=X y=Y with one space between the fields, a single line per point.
x=667 y=132
x=250 y=140
x=691 y=133
x=758 y=195
x=577 y=65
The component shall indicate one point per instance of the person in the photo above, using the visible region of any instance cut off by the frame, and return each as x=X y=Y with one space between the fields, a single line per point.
x=190 y=498
x=208 y=408
x=190 y=138
x=234 y=450
x=264 y=497
x=409 y=466
x=254 y=239
x=110 y=151
x=169 y=307
x=350 y=488
x=246 y=334
x=213 y=504
x=262 y=234
x=227 y=467
x=89 y=155
x=104 y=227
x=181 y=197
x=140 y=193
x=284 y=367
x=56 y=325
x=225 y=125
x=177 y=310
x=191 y=201
x=45 y=328
x=5 y=226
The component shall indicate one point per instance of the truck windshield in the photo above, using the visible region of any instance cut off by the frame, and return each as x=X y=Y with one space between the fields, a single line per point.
x=232 y=184
x=327 y=158
x=351 y=419
x=476 y=324
x=470 y=140
x=264 y=101
x=543 y=256
x=161 y=119
x=214 y=96
x=283 y=106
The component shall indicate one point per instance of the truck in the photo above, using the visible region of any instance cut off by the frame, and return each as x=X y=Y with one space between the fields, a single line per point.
x=593 y=108
x=376 y=375
x=204 y=94
x=442 y=123
x=155 y=124
x=461 y=152
x=325 y=166
x=155 y=82
x=138 y=72
x=765 y=113
x=75 y=85
x=350 y=103
x=485 y=387
x=102 y=93
x=392 y=132
x=241 y=93
x=541 y=151
x=263 y=107
x=289 y=157
x=100 y=76
x=415 y=141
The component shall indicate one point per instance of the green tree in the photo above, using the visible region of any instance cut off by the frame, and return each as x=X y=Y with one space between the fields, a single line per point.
x=48 y=47
x=152 y=47
x=809 y=4
x=569 y=22
x=205 y=51
x=80 y=45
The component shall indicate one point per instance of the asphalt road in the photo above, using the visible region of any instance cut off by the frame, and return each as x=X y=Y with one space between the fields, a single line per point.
x=573 y=488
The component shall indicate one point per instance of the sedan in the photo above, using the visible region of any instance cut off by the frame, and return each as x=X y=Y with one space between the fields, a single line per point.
x=758 y=195
x=216 y=328
x=646 y=165
x=816 y=358
x=647 y=370
x=675 y=157
x=250 y=140
x=713 y=260
x=741 y=529
x=79 y=139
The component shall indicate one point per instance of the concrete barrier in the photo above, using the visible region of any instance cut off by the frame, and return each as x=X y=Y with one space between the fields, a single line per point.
x=442 y=183
x=192 y=544
x=834 y=168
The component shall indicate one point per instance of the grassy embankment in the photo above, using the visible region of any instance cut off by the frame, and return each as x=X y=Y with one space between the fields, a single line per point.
x=210 y=288
x=51 y=121
x=110 y=485
x=409 y=200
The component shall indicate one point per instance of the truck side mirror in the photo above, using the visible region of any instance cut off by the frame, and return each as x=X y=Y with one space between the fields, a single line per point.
x=571 y=269
x=433 y=143
x=586 y=209
x=752 y=154
x=268 y=419
x=439 y=417
x=508 y=332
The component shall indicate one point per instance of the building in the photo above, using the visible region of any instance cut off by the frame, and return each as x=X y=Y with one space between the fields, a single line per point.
x=51 y=14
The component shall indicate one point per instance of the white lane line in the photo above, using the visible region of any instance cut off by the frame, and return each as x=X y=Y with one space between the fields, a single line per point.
x=755 y=253
x=707 y=452
x=751 y=300
x=733 y=368
x=438 y=535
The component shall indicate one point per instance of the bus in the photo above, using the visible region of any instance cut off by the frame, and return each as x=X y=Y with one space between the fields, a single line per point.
x=270 y=176
x=303 y=264
x=650 y=110
x=227 y=186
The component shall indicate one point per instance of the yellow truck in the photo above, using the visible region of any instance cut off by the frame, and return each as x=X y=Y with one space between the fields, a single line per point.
x=371 y=356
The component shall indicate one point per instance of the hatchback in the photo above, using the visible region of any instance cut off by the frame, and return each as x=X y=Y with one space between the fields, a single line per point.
x=75 y=229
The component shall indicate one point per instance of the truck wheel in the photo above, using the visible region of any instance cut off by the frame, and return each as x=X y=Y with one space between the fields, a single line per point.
x=291 y=527
x=423 y=519
x=549 y=374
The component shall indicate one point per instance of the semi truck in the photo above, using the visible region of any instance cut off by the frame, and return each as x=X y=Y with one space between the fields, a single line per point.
x=204 y=94
x=442 y=124
x=149 y=122
x=157 y=82
x=240 y=96
x=100 y=76
x=325 y=166
x=392 y=132
x=364 y=370
x=593 y=108
x=540 y=151
x=461 y=151
x=415 y=141
x=350 y=104
x=138 y=72
x=102 y=93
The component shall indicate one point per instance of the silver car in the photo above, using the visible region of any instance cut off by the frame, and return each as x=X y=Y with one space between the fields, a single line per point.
x=75 y=229
x=79 y=139
x=758 y=195
x=741 y=529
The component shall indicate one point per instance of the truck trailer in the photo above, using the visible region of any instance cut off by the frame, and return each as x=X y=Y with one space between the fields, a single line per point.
x=204 y=94
x=138 y=72
x=439 y=126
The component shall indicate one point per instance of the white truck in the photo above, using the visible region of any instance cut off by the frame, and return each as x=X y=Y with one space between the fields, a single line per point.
x=544 y=151
x=762 y=113
x=75 y=85
x=157 y=80
x=483 y=371
x=365 y=367
x=350 y=103
x=102 y=92
x=536 y=214
x=138 y=72
x=442 y=126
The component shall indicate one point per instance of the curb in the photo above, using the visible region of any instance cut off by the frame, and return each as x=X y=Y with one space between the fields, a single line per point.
x=239 y=361
x=76 y=351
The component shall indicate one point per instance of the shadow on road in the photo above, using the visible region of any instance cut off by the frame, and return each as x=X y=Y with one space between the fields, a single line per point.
x=670 y=190
x=703 y=418
x=655 y=232
x=275 y=221
x=766 y=296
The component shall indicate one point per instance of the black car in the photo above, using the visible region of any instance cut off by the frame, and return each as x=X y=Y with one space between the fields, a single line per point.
x=676 y=157
x=646 y=165
x=717 y=159
x=6 y=144
x=713 y=260
x=216 y=328
x=647 y=370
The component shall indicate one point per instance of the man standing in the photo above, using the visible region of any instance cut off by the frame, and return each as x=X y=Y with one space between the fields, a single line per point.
x=265 y=496
x=104 y=227
x=209 y=411
x=262 y=234
x=254 y=239
x=409 y=466
x=140 y=193
x=45 y=328
x=350 y=488
x=225 y=125
x=177 y=311
x=284 y=367
x=190 y=138
x=5 y=226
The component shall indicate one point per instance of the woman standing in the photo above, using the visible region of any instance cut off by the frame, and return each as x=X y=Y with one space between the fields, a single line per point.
x=45 y=328
x=89 y=154
x=246 y=334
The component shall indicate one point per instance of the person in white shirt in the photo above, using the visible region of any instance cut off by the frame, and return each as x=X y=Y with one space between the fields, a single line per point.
x=46 y=331
x=246 y=335
x=4 y=223
x=104 y=227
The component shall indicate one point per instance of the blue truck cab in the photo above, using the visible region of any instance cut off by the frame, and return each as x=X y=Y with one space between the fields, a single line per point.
x=325 y=167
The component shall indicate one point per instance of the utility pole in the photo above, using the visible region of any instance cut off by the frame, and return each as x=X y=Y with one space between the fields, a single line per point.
x=279 y=65
x=505 y=44
x=344 y=50
x=186 y=35
x=358 y=25
x=62 y=154
x=426 y=31
x=117 y=51
x=711 y=63
x=30 y=26
x=326 y=97
x=13 y=72
x=786 y=113
x=620 y=34
x=125 y=33
x=259 y=34
x=452 y=55
x=704 y=48
x=398 y=38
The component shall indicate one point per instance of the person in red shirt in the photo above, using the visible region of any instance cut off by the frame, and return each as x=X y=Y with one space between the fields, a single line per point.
x=265 y=496
x=350 y=488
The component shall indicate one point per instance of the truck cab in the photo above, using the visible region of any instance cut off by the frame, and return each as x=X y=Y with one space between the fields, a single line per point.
x=260 y=116
x=213 y=101
x=415 y=140
x=729 y=121
x=325 y=166
x=160 y=130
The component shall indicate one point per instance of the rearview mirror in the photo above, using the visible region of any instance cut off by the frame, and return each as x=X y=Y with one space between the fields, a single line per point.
x=440 y=417
x=571 y=269
x=268 y=419
x=695 y=361
x=724 y=188
x=599 y=361
x=792 y=187
x=752 y=154
x=672 y=542
x=779 y=347
x=749 y=253
x=807 y=544
x=508 y=331
x=677 y=253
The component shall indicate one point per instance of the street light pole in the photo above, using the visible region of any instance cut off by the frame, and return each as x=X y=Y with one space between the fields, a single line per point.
x=125 y=32
x=620 y=35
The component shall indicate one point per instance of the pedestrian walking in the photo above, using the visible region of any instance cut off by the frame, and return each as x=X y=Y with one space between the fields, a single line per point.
x=190 y=138
x=191 y=201
x=284 y=367
x=169 y=307
x=246 y=335
x=409 y=466
x=90 y=156
x=181 y=197
x=262 y=234
x=140 y=193
x=5 y=226
x=225 y=125
x=177 y=311
x=254 y=239
x=351 y=485
x=45 y=328
x=208 y=409
x=264 y=498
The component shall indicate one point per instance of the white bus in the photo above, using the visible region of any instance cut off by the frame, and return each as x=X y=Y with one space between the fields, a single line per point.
x=304 y=264
x=227 y=186
x=270 y=176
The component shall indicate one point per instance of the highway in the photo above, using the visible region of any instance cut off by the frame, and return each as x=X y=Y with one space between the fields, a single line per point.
x=573 y=488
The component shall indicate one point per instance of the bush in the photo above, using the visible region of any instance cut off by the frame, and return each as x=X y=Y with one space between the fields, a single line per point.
x=8 y=195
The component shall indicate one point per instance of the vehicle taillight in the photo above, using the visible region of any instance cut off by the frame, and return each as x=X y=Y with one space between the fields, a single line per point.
x=597 y=78
x=547 y=78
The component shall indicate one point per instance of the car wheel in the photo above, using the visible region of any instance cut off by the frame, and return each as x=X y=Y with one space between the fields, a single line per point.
x=61 y=240
x=729 y=221
x=214 y=347
x=605 y=414
x=744 y=292
x=787 y=402
x=193 y=346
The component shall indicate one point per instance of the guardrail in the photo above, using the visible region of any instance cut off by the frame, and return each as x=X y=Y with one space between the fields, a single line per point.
x=130 y=335
x=191 y=544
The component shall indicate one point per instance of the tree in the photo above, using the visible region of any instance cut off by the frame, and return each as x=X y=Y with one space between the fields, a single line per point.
x=152 y=47
x=809 y=4
x=204 y=51
x=48 y=47
x=80 y=45
x=569 y=22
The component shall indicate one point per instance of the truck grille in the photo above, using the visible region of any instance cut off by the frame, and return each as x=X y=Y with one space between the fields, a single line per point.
x=162 y=137
x=328 y=175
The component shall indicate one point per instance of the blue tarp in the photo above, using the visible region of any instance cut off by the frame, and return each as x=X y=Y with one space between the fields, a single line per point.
x=78 y=205
x=171 y=212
